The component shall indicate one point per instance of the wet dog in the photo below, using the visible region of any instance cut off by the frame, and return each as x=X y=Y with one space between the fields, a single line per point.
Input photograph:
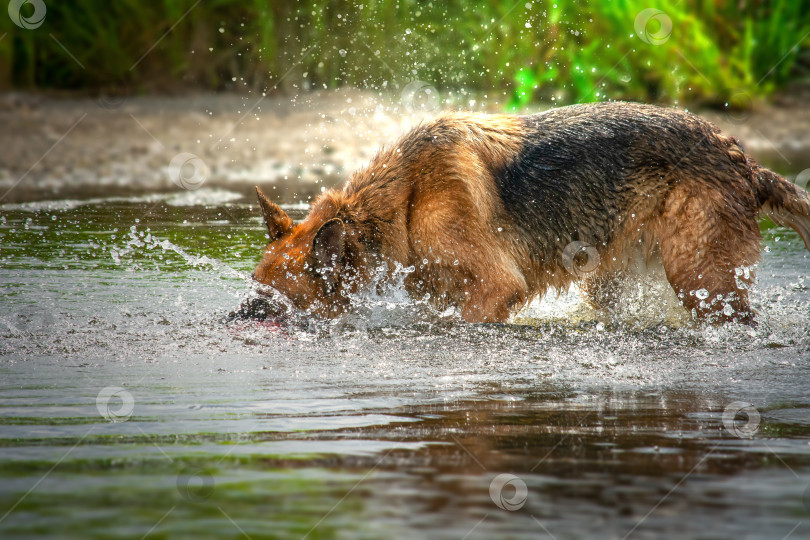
x=491 y=211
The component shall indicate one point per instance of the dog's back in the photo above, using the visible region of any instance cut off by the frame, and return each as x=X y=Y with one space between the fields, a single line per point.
x=588 y=173
x=628 y=178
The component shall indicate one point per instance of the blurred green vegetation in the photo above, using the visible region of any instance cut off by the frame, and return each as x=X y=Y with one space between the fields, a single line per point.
x=514 y=52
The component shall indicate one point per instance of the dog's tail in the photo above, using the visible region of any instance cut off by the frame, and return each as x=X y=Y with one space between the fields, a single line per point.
x=784 y=202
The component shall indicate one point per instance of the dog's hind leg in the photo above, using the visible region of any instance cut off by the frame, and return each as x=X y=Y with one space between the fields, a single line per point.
x=603 y=291
x=622 y=268
x=709 y=241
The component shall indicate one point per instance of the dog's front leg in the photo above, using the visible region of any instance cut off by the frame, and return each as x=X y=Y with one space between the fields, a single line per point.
x=478 y=289
x=492 y=299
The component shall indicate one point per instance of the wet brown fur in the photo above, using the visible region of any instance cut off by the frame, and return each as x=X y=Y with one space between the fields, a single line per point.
x=435 y=201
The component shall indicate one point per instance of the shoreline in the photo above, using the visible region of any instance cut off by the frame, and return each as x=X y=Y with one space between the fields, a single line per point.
x=292 y=146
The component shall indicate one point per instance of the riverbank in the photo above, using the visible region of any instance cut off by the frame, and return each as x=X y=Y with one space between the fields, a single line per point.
x=293 y=145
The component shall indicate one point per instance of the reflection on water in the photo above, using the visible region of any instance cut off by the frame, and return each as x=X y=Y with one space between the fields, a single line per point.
x=130 y=409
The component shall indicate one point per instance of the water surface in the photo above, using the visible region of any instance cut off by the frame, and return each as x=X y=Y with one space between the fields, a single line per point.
x=129 y=409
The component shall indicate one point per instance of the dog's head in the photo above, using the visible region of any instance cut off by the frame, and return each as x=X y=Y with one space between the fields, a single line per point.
x=313 y=263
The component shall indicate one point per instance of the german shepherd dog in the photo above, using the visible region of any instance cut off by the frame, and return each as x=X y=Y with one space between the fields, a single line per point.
x=490 y=211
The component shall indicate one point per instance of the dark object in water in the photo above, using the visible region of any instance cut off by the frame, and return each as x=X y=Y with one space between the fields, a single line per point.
x=259 y=309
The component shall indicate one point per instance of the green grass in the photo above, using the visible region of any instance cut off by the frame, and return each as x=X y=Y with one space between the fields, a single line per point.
x=551 y=51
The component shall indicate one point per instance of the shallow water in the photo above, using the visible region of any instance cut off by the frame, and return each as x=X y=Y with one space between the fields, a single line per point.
x=129 y=409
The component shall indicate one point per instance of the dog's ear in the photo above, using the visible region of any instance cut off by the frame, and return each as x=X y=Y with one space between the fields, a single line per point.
x=277 y=220
x=328 y=249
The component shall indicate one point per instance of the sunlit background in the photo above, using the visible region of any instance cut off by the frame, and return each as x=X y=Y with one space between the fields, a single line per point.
x=514 y=53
